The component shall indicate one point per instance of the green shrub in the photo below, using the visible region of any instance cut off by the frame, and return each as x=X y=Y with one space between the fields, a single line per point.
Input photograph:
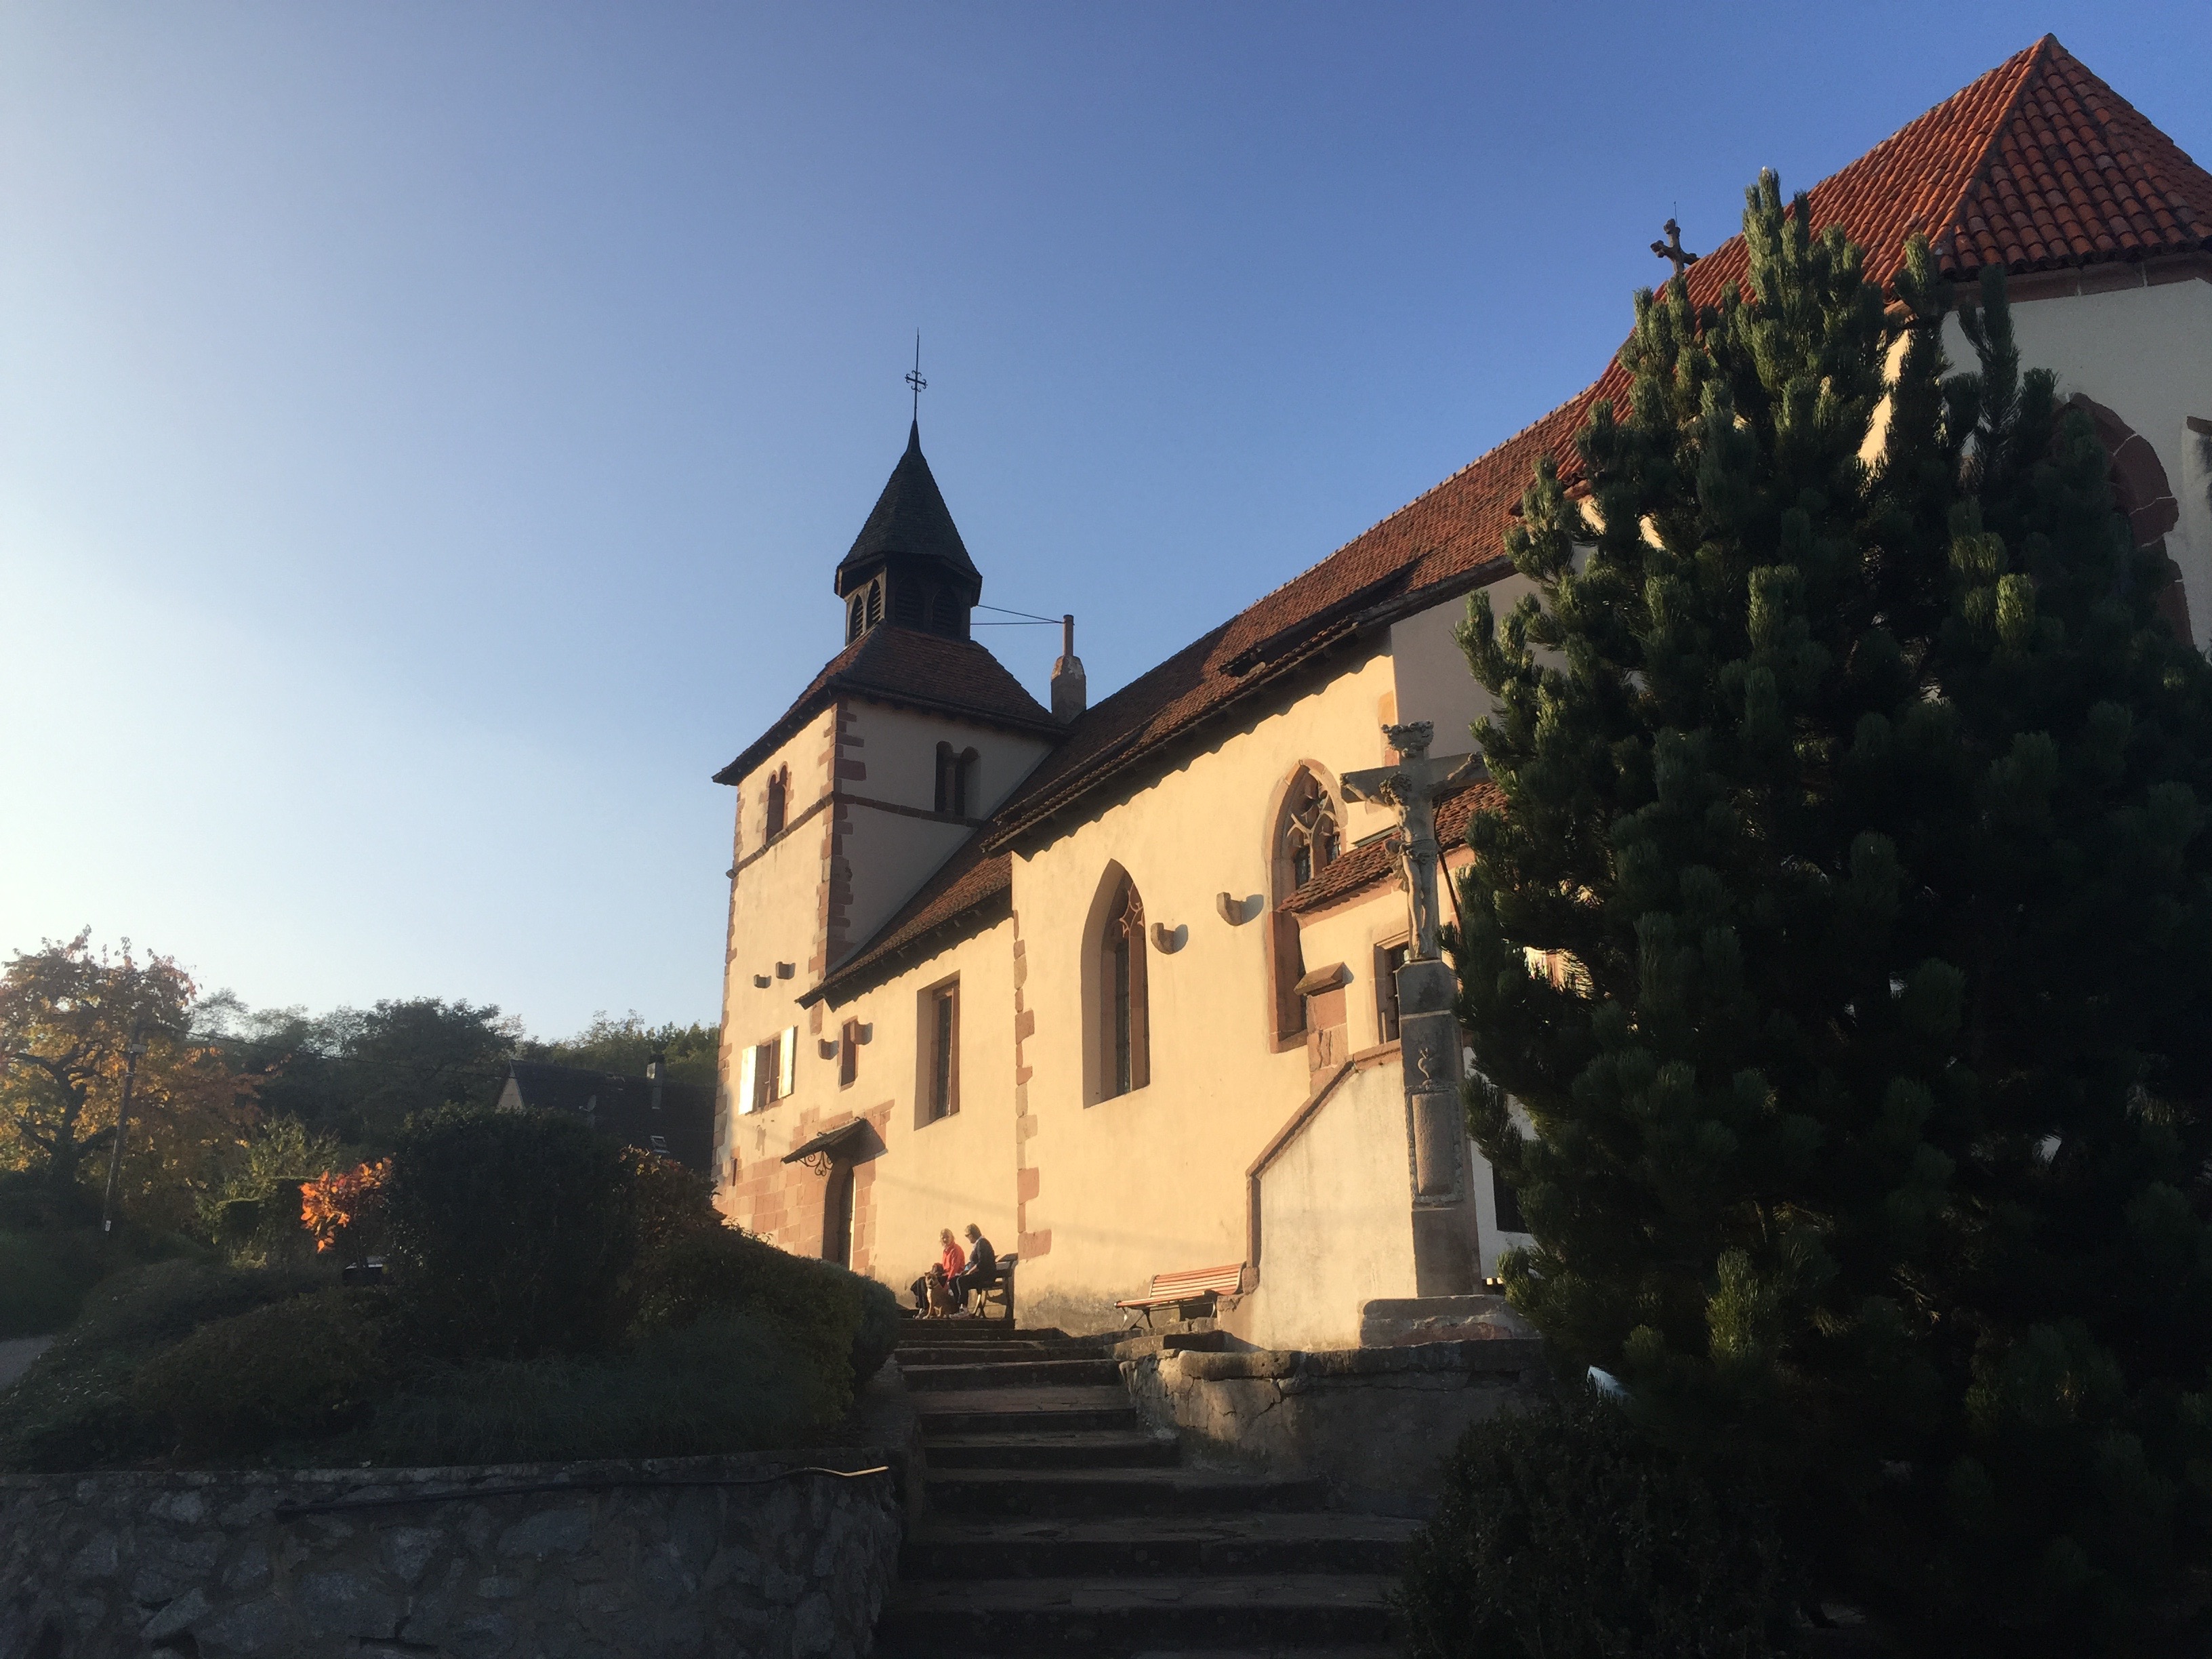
x=816 y=1305
x=877 y=1334
x=32 y=1202
x=725 y=1383
x=53 y=1251
x=253 y=1217
x=668 y=1203
x=302 y=1369
x=73 y=1410
x=516 y=1229
x=44 y=1277
x=1564 y=1533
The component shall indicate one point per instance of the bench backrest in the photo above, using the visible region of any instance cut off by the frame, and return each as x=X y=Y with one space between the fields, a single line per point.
x=1197 y=1281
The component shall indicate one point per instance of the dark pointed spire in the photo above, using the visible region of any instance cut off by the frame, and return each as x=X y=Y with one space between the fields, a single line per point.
x=910 y=520
x=908 y=565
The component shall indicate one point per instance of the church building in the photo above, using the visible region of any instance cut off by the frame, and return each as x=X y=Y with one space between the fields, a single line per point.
x=1125 y=983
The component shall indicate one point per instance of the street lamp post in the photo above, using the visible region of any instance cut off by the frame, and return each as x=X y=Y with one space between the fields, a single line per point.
x=132 y=1052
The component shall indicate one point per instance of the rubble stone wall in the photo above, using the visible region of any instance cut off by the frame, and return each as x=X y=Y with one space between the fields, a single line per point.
x=690 y=1556
x=1375 y=1423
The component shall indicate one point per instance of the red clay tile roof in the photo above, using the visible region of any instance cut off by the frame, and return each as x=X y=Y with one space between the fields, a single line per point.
x=2040 y=117
x=2038 y=162
x=904 y=665
x=1371 y=862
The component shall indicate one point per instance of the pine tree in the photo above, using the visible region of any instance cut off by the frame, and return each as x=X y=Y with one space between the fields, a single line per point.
x=1845 y=938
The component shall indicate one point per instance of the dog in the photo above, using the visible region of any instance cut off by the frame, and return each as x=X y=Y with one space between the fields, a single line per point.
x=942 y=1302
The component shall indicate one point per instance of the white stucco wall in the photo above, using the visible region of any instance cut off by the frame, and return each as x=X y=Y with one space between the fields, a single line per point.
x=1335 y=1226
x=2145 y=353
x=890 y=754
x=1153 y=1181
x=774 y=902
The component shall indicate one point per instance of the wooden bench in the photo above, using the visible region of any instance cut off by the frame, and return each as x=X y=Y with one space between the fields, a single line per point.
x=1000 y=1287
x=1191 y=1293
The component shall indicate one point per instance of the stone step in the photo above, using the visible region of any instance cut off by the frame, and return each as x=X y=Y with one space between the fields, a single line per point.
x=975 y=1330
x=1127 y=1615
x=1020 y=1373
x=1041 y=1447
x=1068 y=1493
x=942 y=1547
x=973 y=1411
x=995 y=1353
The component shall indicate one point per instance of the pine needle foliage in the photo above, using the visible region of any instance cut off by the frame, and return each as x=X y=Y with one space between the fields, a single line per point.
x=1846 y=938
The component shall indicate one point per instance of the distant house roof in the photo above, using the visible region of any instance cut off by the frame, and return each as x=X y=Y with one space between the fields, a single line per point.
x=905 y=667
x=2038 y=165
x=683 y=1127
x=910 y=517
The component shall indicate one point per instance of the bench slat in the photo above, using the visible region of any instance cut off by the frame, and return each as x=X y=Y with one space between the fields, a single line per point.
x=1189 y=1285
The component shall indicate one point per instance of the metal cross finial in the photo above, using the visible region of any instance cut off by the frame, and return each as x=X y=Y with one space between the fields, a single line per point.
x=913 y=378
x=1672 y=250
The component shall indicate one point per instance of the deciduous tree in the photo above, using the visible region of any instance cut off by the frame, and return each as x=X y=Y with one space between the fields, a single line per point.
x=68 y=1013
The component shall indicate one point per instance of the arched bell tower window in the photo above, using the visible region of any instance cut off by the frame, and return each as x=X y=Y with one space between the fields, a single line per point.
x=1124 y=1025
x=865 y=609
x=956 y=771
x=779 y=790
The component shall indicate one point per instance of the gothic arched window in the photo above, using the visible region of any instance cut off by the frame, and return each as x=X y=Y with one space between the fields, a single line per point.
x=1309 y=838
x=1305 y=839
x=1124 y=1026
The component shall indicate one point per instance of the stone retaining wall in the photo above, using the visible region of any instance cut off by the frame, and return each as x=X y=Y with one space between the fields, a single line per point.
x=738 y=1555
x=1375 y=1423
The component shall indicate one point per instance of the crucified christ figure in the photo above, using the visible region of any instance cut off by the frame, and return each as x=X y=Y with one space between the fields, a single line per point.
x=1412 y=788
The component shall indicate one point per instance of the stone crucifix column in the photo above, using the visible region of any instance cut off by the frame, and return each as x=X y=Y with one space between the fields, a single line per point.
x=1446 y=1256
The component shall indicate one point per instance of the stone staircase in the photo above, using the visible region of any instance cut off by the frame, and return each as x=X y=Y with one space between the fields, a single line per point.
x=1057 y=1523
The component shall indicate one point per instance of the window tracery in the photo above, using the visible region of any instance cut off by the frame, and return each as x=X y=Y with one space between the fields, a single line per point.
x=1311 y=837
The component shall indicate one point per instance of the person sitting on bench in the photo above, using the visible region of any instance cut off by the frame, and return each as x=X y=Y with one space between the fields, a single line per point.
x=982 y=1269
x=950 y=1261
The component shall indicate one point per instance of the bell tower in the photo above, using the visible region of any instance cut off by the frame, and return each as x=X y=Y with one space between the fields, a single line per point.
x=908 y=565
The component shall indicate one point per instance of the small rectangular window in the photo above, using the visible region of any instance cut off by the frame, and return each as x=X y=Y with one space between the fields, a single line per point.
x=940 y=1051
x=1388 y=959
x=764 y=1075
x=848 y=1053
x=747 y=1093
x=786 y=1062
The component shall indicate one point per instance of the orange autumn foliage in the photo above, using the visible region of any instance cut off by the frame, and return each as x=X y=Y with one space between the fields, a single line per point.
x=343 y=1209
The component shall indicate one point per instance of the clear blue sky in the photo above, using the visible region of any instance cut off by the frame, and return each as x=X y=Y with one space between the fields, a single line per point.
x=427 y=429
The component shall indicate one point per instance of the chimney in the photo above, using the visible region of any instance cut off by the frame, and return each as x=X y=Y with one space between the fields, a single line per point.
x=1067 y=684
